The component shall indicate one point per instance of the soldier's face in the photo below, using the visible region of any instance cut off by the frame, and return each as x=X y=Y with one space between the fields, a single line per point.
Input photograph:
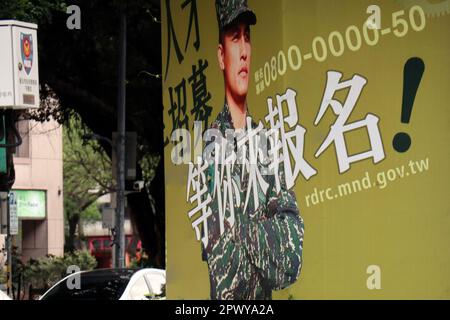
x=234 y=59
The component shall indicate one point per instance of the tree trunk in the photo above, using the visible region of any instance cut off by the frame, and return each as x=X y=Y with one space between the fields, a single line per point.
x=158 y=191
x=73 y=221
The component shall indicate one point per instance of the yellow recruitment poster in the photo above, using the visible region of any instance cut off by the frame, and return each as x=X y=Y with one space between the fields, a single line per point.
x=306 y=148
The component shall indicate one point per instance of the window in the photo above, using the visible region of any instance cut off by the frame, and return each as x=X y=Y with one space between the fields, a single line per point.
x=107 y=244
x=97 y=244
x=23 y=127
x=95 y=285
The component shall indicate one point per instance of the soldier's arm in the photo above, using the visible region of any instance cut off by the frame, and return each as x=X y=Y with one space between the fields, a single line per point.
x=274 y=246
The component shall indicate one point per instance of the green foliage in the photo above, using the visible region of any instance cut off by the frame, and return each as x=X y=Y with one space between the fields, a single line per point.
x=148 y=163
x=31 y=10
x=87 y=176
x=141 y=261
x=87 y=168
x=45 y=272
x=91 y=214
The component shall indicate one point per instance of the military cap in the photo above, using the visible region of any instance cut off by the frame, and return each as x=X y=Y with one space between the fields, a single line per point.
x=229 y=10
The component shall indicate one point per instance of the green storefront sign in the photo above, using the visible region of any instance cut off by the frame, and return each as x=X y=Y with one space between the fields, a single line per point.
x=31 y=204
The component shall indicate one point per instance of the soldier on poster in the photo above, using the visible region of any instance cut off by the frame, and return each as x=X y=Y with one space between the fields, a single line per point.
x=255 y=241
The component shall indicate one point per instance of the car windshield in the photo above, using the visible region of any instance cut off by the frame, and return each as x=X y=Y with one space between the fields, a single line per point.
x=94 y=285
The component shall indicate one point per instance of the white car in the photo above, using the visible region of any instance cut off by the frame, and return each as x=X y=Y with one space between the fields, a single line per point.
x=4 y=296
x=110 y=284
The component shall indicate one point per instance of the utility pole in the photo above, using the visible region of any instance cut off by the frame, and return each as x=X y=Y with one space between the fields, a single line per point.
x=9 y=248
x=119 y=248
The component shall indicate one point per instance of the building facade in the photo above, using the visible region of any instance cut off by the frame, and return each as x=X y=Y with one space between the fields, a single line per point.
x=38 y=190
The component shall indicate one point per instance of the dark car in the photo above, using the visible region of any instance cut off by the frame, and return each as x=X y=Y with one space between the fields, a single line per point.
x=110 y=284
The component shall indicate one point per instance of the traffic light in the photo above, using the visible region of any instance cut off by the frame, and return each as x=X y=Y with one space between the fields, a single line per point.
x=9 y=140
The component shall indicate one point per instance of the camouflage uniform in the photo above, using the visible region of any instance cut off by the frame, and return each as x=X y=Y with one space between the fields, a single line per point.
x=228 y=10
x=263 y=250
